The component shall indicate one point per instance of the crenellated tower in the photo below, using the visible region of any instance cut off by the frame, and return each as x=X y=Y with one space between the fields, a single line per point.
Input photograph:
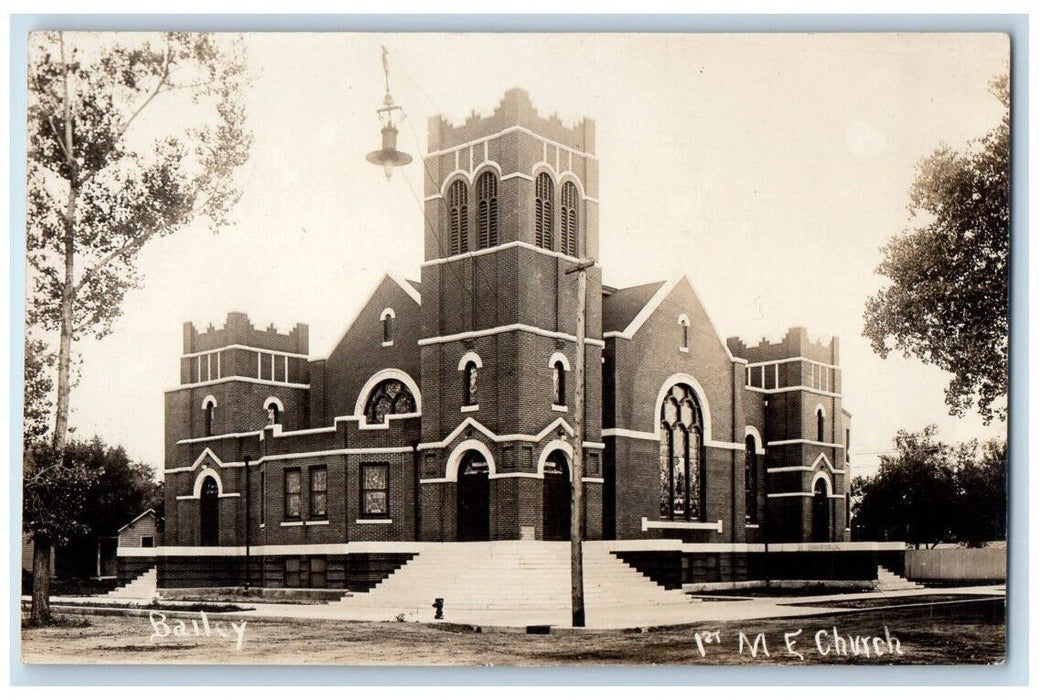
x=511 y=203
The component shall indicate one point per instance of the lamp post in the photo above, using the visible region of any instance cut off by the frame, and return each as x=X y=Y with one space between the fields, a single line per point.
x=388 y=156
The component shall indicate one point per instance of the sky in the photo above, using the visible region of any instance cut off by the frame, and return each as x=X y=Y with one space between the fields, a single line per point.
x=770 y=169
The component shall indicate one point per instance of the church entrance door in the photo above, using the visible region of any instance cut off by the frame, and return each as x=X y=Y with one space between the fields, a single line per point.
x=556 y=498
x=820 y=513
x=474 y=499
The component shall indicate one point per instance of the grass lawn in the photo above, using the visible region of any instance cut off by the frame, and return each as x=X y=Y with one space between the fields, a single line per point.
x=960 y=632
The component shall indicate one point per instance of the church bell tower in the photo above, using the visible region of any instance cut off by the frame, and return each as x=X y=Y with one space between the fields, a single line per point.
x=511 y=202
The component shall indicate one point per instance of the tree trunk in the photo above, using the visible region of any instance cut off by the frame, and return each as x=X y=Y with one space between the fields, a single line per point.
x=40 y=612
x=61 y=415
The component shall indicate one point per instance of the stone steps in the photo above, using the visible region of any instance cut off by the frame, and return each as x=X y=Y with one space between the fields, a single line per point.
x=888 y=580
x=144 y=587
x=529 y=580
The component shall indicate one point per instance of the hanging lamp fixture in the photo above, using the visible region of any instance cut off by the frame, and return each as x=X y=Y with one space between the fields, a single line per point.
x=388 y=156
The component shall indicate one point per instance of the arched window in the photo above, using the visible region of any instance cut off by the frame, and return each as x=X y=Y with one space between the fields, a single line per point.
x=568 y=219
x=388 y=397
x=559 y=383
x=543 y=191
x=470 y=378
x=820 y=424
x=274 y=410
x=683 y=321
x=209 y=415
x=681 y=456
x=209 y=513
x=458 y=210
x=487 y=210
x=386 y=317
x=750 y=478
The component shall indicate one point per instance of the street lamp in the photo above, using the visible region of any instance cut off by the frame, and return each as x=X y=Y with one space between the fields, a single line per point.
x=388 y=156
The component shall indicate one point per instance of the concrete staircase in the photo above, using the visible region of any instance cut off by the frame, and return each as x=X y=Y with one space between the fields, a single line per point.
x=144 y=587
x=888 y=580
x=508 y=583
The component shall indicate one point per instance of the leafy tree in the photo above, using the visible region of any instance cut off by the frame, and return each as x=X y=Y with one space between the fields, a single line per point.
x=121 y=490
x=948 y=299
x=37 y=404
x=982 y=491
x=929 y=492
x=129 y=139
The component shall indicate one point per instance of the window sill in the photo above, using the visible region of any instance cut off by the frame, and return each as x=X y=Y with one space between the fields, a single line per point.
x=374 y=521
x=683 y=349
x=752 y=525
x=559 y=408
x=471 y=408
x=648 y=524
x=387 y=343
x=292 y=523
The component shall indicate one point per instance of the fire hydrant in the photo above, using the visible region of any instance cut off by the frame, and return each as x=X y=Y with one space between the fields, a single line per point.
x=438 y=605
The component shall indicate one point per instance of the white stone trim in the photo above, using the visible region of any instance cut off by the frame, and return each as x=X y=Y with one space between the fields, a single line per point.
x=296 y=455
x=387 y=343
x=804 y=441
x=503 y=246
x=455 y=459
x=594 y=445
x=472 y=422
x=559 y=408
x=291 y=523
x=701 y=397
x=551 y=447
x=188 y=441
x=374 y=521
x=799 y=358
x=751 y=431
x=791 y=494
x=777 y=470
x=592 y=480
x=276 y=401
x=625 y=432
x=799 y=387
x=497 y=330
x=558 y=356
x=470 y=408
x=250 y=348
x=210 y=399
x=467 y=357
x=305 y=431
x=819 y=408
x=388 y=312
x=381 y=375
x=544 y=141
x=648 y=524
x=247 y=380
x=196 y=489
x=316 y=522
x=822 y=476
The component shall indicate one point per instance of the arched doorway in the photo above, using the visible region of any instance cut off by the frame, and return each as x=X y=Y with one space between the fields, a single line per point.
x=556 y=498
x=820 y=512
x=474 y=498
x=209 y=513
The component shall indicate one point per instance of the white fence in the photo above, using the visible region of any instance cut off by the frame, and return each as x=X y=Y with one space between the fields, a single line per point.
x=960 y=564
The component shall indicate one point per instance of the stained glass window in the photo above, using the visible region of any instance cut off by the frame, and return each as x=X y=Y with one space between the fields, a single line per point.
x=681 y=456
x=375 y=489
x=388 y=397
x=292 y=491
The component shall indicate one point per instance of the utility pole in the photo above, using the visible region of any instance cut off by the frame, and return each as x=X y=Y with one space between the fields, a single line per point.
x=577 y=487
x=248 y=514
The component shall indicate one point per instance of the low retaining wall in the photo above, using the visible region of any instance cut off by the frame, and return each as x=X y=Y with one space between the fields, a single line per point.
x=956 y=564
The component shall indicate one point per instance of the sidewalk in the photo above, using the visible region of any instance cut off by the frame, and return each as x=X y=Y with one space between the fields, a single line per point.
x=714 y=610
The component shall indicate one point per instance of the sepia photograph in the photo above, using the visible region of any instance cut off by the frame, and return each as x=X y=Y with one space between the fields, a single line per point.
x=515 y=349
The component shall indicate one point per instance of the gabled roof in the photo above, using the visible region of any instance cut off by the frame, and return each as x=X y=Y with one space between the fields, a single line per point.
x=150 y=511
x=621 y=307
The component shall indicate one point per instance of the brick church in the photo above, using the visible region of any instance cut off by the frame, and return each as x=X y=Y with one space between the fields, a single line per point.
x=445 y=412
